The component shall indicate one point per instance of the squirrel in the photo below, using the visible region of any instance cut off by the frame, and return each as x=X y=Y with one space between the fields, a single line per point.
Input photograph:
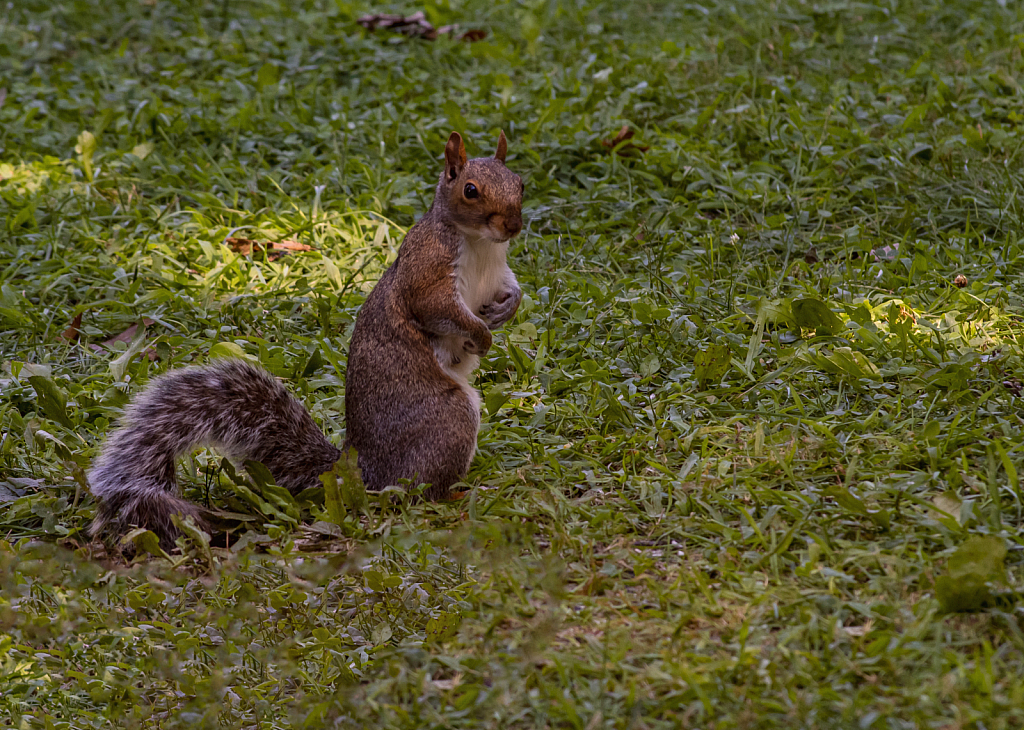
x=410 y=410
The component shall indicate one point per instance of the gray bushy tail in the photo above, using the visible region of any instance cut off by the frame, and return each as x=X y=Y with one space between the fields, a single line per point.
x=239 y=409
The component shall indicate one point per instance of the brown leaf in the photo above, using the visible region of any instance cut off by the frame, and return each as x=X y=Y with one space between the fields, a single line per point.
x=470 y=36
x=858 y=630
x=243 y=246
x=290 y=246
x=416 y=26
x=385 y=20
x=127 y=336
x=624 y=134
x=246 y=246
x=71 y=333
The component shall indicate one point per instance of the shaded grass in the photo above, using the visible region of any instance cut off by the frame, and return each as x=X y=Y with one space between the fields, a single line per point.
x=646 y=544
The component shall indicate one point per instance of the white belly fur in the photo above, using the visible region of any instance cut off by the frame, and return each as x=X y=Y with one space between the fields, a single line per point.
x=481 y=273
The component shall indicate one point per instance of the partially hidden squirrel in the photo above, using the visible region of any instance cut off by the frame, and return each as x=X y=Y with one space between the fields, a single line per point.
x=410 y=410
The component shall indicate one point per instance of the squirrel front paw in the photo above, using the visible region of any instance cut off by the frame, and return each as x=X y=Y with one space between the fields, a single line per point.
x=478 y=346
x=502 y=309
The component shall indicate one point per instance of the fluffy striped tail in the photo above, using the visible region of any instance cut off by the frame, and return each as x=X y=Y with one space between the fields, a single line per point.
x=230 y=405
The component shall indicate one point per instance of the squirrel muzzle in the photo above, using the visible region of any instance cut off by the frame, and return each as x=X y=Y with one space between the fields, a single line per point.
x=513 y=224
x=505 y=227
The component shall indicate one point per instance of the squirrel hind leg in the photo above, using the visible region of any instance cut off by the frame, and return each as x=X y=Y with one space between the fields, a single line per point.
x=437 y=453
x=150 y=508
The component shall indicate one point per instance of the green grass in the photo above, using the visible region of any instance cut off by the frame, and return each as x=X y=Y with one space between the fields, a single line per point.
x=740 y=424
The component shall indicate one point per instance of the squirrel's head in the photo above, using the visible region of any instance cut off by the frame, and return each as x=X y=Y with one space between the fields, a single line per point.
x=483 y=197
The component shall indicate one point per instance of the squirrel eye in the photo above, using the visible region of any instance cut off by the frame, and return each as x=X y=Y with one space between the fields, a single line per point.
x=470 y=191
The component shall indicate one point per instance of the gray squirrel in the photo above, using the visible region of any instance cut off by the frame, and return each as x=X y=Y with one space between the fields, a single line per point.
x=410 y=410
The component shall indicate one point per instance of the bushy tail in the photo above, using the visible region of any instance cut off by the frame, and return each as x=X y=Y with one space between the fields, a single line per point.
x=239 y=409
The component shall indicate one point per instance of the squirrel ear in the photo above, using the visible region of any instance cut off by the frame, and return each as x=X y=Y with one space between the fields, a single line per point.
x=454 y=156
x=502 y=147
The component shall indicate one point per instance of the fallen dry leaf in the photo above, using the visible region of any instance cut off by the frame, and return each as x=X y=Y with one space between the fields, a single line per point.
x=246 y=246
x=417 y=26
x=472 y=36
x=290 y=246
x=127 y=336
x=624 y=134
x=858 y=630
x=448 y=684
x=243 y=246
x=71 y=333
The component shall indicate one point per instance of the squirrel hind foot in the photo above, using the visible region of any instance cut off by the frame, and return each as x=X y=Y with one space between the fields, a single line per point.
x=119 y=513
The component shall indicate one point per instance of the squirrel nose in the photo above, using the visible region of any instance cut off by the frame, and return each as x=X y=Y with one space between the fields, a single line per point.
x=513 y=224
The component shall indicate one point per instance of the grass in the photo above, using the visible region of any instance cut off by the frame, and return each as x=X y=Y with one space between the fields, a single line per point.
x=750 y=447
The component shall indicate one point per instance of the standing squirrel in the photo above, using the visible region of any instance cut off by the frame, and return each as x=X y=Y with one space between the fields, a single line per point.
x=410 y=410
